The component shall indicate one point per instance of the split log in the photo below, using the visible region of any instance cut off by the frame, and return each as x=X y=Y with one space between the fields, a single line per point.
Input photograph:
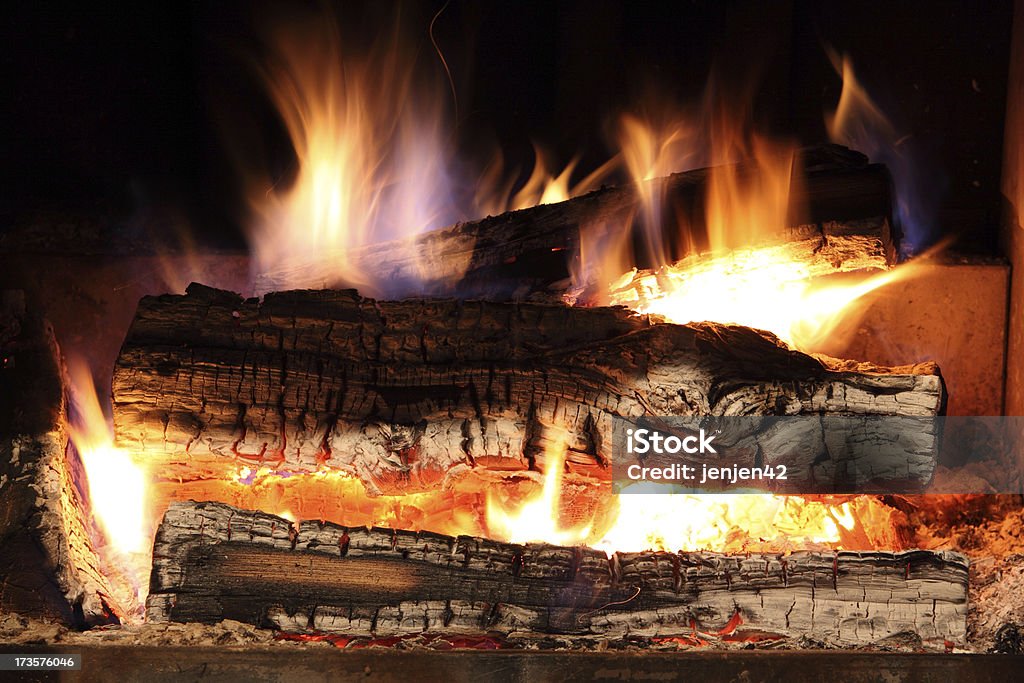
x=840 y=210
x=213 y=562
x=48 y=567
x=406 y=395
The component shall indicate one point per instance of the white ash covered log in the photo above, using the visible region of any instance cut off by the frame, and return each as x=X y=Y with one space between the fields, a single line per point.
x=48 y=567
x=840 y=213
x=213 y=562
x=406 y=395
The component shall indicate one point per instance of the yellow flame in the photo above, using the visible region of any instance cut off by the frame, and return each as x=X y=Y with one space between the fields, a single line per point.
x=118 y=485
x=765 y=287
x=537 y=519
x=719 y=522
x=671 y=522
x=118 y=490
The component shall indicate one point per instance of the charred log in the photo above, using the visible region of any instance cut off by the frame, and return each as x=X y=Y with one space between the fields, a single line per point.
x=48 y=567
x=404 y=395
x=214 y=562
x=840 y=210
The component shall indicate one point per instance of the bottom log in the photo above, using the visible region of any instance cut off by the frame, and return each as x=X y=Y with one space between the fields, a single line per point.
x=213 y=562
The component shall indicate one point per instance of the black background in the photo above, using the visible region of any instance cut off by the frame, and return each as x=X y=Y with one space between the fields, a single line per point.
x=117 y=107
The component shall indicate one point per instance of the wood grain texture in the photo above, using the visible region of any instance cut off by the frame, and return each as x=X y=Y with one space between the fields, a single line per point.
x=405 y=395
x=212 y=562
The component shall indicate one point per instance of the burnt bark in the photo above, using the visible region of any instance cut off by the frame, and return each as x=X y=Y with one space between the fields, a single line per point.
x=841 y=208
x=213 y=562
x=406 y=395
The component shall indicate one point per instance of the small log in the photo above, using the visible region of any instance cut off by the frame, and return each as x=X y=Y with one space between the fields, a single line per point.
x=48 y=567
x=213 y=562
x=406 y=395
x=840 y=208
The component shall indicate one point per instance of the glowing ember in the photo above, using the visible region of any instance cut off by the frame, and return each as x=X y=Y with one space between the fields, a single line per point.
x=331 y=496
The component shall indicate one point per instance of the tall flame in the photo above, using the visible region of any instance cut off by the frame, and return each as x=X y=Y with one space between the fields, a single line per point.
x=653 y=150
x=371 y=151
x=858 y=122
x=117 y=483
x=118 y=487
x=374 y=163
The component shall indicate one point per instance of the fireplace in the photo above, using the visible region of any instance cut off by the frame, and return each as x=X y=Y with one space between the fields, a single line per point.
x=745 y=383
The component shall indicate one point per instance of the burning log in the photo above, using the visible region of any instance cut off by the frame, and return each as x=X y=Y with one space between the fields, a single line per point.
x=406 y=395
x=840 y=207
x=213 y=562
x=48 y=566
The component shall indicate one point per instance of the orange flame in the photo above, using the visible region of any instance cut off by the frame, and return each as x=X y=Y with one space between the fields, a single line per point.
x=858 y=122
x=496 y=192
x=855 y=113
x=738 y=276
x=371 y=151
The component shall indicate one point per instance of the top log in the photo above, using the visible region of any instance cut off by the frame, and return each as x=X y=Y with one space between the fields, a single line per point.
x=838 y=200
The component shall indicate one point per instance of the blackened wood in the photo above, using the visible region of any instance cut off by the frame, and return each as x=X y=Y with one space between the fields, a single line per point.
x=840 y=205
x=405 y=395
x=213 y=562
